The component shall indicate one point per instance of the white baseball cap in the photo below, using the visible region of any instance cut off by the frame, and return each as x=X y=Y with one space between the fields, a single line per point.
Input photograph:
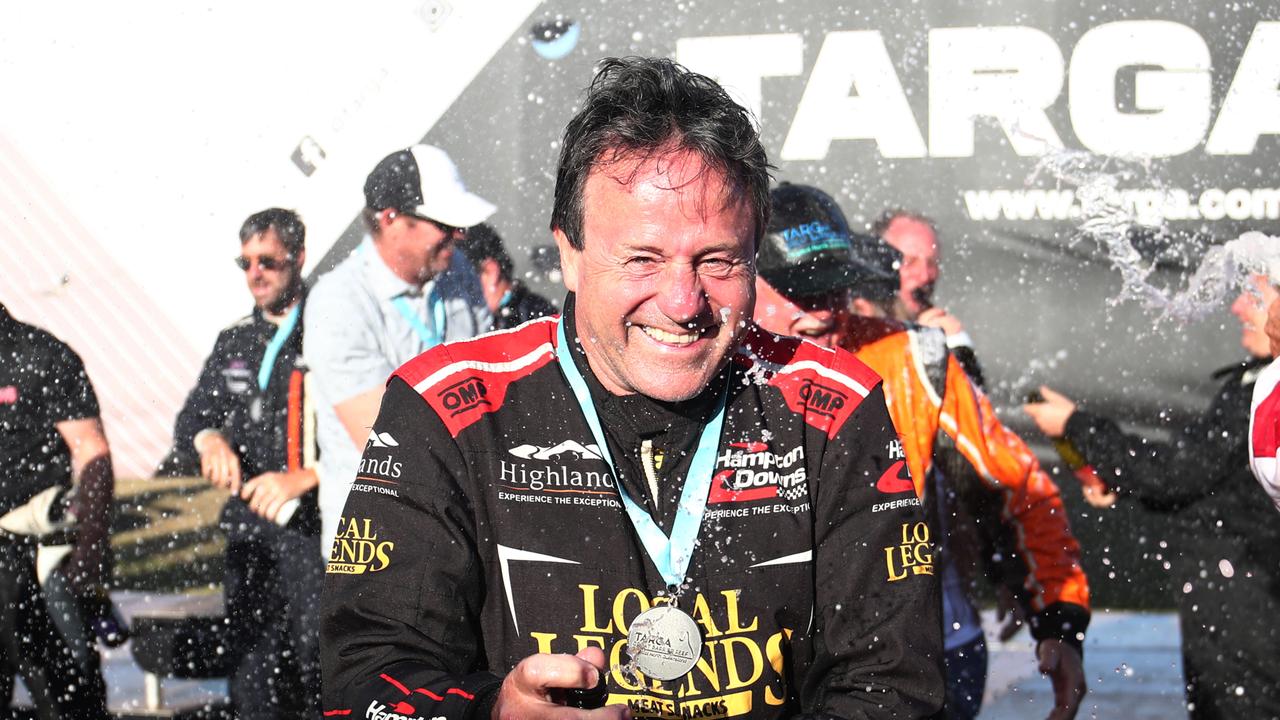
x=421 y=180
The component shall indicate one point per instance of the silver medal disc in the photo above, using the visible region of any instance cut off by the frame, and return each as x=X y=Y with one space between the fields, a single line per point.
x=664 y=642
x=255 y=409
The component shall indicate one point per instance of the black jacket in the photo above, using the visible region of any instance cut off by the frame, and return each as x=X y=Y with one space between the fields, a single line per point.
x=267 y=428
x=521 y=306
x=484 y=527
x=1200 y=477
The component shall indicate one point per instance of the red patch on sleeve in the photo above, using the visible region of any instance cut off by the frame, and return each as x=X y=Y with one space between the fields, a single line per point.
x=463 y=381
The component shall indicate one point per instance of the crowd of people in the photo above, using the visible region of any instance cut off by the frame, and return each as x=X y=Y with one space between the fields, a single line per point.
x=747 y=467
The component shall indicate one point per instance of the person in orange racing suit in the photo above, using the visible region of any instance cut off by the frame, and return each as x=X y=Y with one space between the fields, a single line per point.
x=995 y=509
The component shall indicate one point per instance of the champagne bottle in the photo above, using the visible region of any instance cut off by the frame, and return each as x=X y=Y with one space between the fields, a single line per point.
x=1073 y=458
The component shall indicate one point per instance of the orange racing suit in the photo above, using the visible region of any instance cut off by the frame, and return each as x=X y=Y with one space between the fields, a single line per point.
x=1019 y=516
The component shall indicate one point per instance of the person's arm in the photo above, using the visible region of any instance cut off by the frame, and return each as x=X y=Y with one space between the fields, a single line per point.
x=202 y=418
x=357 y=414
x=878 y=628
x=958 y=341
x=90 y=562
x=404 y=628
x=1160 y=474
x=1027 y=524
x=348 y=368
x=268 y=492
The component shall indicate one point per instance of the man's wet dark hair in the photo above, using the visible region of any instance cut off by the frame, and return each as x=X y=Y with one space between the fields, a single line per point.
x=286 y=223
x=647 y=107
x=484 y=243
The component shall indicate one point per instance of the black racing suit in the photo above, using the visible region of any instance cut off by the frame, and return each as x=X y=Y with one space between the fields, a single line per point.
x=483 y=527
x=273 y=573
x=521 y=305
x=1225 y=552
x=43 y=383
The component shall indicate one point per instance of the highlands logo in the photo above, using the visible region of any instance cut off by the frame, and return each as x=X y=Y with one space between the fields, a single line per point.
x=380 y=440
x=553 y=470
x=577 y=451
x=756 y=473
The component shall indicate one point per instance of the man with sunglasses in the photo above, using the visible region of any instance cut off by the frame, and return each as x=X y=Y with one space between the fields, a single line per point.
x=246 y=419
x=401 y=292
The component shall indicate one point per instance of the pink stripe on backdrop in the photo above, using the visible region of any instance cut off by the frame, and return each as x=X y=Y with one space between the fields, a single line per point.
x=55 y=274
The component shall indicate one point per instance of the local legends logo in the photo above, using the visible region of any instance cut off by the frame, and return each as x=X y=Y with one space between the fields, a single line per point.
x=357 y=549
x=754 y=472
x=741 y=671
x=912 y=556
x=464 y=395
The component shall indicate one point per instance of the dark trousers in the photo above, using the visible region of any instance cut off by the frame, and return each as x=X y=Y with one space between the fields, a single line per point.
x=1230 y=631
x=32 y=647
x=966 y=670
x=272 y=584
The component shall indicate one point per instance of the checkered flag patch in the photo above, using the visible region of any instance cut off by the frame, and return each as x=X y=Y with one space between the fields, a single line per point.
x=795 y=492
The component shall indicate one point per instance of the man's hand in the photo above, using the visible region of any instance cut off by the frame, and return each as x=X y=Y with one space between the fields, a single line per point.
x=268 y=492
x=936 y=317
x=1052 y=414
x=218 y=462
x=1273 y=326
x=1006 y=604
x=1065 y=669
x=526 y=692
x=1098 y=497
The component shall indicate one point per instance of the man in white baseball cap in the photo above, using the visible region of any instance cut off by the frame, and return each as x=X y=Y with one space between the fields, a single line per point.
x=401 y=292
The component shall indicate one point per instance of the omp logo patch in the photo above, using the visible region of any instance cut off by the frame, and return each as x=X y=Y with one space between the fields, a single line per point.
x=464 y=395
x=822 y=399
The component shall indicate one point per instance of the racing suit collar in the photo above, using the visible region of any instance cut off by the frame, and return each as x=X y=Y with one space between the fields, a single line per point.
x=643 y=415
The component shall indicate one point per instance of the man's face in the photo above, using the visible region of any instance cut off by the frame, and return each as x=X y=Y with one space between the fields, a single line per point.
x=919 y=273
x=419 y=248
x=1250 y=308
x=665 y=280
x=813 y=318
x=276 y=288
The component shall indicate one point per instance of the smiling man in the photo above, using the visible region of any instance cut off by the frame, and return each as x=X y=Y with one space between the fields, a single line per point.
x=650 y=477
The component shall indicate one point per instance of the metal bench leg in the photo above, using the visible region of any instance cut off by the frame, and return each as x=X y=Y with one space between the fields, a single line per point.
x=152 y=692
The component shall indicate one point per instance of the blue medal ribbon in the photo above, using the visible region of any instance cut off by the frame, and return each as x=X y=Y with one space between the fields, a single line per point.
x=273 y=347
x=430 y=337
x=670 y=555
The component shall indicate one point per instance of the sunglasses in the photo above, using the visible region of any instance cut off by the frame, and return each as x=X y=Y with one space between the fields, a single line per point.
x=266 y=262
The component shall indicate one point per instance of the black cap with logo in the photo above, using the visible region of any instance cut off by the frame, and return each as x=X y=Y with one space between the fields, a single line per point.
x=809 y=249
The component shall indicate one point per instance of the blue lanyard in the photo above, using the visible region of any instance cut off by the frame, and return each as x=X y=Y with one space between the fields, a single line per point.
x=430 y=338
x=670 y=555
x=273 y=347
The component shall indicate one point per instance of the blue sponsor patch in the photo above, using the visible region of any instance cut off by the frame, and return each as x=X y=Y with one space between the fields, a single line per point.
x=811 y=238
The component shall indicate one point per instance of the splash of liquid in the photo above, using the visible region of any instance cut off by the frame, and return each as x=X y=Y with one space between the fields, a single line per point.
x=1110 y=221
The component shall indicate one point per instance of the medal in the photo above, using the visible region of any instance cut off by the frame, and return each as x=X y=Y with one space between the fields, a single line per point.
x=255 y=409
x=664 y=642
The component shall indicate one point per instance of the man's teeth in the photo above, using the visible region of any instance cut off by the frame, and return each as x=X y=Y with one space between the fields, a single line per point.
x=669 y=337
